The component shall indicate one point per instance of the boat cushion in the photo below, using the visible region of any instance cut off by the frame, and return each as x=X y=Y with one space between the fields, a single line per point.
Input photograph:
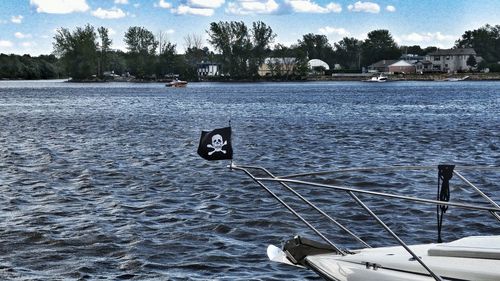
x=479 y=247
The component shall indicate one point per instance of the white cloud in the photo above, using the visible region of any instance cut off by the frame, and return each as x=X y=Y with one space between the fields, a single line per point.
x=137 y=5
x=334 y=7
x=123 y=2
x=113 y=13
x=20 y=35
x=187 y=10
x=390 y=8
x=17 y=19
x=163 y=4
x=368 y=7
x=247 y=7
x=60 y=6
x=170 y=31
x=427 y=37
x=327 y=30
x=308 y=6
x=6 y=44
x=212 y=4
x=28 y=44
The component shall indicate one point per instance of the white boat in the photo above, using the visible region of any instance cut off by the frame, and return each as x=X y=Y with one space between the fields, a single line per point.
x=454 y=79
x=380 y=78
x=177 y=83
x=472 y=258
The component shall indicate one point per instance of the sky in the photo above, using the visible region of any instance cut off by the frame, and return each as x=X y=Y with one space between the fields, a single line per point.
x=28 y=26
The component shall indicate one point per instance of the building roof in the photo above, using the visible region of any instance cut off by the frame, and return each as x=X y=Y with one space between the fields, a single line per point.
x=382 y=63
x=316 y=63
x=453 y=52
x=401 y=63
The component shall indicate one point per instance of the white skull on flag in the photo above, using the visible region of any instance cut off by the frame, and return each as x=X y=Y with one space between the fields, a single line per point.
x=217 y=143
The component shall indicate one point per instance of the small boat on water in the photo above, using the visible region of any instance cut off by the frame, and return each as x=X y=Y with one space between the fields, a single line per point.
x=472 y=258
x=177 y=84
x=453 y=79
x=380 y=78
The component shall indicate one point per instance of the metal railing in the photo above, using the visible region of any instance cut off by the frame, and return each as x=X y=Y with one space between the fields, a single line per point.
x=285 y=181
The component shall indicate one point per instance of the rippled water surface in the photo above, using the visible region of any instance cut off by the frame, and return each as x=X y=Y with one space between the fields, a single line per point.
x=102 y=181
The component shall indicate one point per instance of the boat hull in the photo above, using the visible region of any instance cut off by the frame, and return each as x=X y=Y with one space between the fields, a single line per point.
x=177 y=84
x=395 y=264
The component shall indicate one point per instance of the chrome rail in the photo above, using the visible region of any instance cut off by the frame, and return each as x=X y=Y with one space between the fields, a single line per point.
x=480 y=193
x=335 y=247
x=286 y=180
x=388 y=169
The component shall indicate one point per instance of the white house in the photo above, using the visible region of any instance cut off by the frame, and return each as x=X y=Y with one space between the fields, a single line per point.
x=451 y=60
x=208 y=69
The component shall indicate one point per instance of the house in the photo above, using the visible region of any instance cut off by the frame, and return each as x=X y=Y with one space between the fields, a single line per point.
x=381 y=66
x=450 y=60
x=423 y=66
x=402 y=66
x=278 y=67
x=208 y=69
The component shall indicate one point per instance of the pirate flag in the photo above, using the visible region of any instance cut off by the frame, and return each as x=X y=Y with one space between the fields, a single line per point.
x=216 y=144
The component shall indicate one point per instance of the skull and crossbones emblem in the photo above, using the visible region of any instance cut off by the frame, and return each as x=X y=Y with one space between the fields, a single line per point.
x=217 y=144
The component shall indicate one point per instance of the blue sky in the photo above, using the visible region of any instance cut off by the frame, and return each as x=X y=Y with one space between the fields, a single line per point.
x=28 y=26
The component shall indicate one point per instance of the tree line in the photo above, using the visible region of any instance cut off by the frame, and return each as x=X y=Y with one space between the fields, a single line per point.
x=87 y=53
x=29 y=68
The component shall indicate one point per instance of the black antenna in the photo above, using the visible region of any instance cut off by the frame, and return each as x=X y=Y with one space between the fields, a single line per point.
x=231 y=164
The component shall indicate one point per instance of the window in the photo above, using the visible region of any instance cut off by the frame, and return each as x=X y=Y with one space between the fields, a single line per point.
x=437 y=58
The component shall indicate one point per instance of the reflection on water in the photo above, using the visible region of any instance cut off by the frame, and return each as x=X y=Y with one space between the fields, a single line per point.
x=102 y=181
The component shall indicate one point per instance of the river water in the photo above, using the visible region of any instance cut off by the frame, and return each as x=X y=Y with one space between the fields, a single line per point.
x=102 y=181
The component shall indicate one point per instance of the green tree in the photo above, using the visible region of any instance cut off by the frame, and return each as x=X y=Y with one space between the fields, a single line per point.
x=316 y=46
x=378 y=46
x=485 y=41
x=104 y=49
x=262 y=37
x=412 y=50
x=117 y=62
x=471 y=61
x=141 y=46
x=77 y=51
x=167 y=59
x=28 y=67
x=289 y=63
x=232 y=40
x=348 y=53
x=430 y=49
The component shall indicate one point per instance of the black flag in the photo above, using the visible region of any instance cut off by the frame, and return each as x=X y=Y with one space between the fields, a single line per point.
x=216 y=144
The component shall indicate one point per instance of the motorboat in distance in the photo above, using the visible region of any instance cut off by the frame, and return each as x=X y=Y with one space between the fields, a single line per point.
x=380 y=78
x=177 y=84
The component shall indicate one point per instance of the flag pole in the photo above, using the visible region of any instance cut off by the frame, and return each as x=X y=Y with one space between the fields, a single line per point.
x=230 y=164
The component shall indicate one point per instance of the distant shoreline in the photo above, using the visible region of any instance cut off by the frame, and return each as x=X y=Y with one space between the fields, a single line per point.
x=335 y=77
